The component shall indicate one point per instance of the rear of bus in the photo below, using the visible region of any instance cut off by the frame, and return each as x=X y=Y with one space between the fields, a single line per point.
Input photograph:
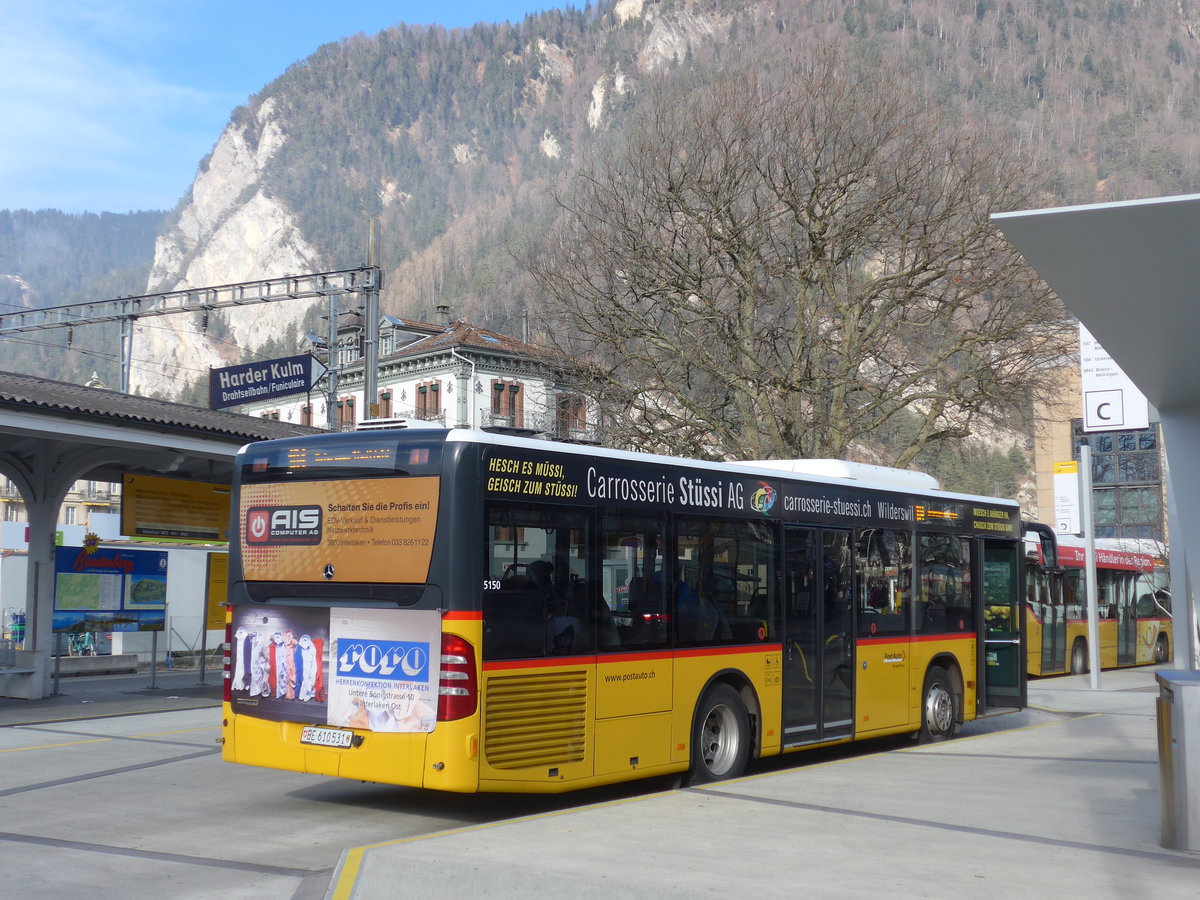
x=345 y=656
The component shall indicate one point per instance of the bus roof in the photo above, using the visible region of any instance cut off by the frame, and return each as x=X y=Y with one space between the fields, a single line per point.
x=905 y=479
x=818 y=471
x=1072 y=553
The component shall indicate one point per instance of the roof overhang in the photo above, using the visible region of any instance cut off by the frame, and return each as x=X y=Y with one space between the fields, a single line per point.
x=39 y=426
x=1128 y=271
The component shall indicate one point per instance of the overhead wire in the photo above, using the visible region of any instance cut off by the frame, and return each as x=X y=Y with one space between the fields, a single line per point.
x=100 y=354
x=152 y=366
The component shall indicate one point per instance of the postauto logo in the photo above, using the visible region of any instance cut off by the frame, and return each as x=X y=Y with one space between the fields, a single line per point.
x=390 y=660
x=275 y=525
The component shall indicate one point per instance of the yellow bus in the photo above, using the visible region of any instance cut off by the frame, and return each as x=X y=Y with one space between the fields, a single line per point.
x=468 y=611
x=1133 y=606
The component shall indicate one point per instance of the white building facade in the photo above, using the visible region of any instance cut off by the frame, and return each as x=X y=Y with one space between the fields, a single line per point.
x=453 y=374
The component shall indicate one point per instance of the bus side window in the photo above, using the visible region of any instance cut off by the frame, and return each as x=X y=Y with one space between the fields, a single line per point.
x=512 y=614
x=884 y=567
x=726 y=582
x=944 y=602
x=536 y=582
x=631 y=609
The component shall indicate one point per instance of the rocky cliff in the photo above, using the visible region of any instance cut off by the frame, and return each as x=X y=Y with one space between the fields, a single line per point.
x=228 y=230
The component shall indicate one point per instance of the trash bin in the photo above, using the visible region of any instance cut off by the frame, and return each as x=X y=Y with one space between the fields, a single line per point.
x=1179 y=756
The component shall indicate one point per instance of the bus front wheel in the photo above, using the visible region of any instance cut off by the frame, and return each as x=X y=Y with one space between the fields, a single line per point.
x=939 y=710
x=1162 y=650
x=1079 y=658
x=720 y=736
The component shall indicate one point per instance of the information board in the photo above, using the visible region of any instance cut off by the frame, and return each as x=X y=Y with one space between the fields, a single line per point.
x=105 y=589
x=174 y=508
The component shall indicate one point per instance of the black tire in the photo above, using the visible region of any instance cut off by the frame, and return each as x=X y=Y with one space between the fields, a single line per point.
x=1162 y=650
x=1079 y=658
x=939 y=707
x=720 y=736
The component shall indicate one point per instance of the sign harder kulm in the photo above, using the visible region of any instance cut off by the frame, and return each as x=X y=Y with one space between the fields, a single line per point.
x=265 y=380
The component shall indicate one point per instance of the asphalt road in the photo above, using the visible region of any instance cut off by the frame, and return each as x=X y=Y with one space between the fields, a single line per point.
x=115 y=788
x=140 y=804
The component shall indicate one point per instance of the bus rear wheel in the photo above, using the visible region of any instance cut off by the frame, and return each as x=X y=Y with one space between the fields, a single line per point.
x=720 y=736
x=1079 y=658
x=939 y=709
x=1162 y=651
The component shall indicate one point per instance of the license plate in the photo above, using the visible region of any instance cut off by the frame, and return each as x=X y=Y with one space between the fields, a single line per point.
x=326 y=737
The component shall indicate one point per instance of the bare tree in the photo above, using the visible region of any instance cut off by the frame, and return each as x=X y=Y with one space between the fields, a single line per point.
x=783 y=265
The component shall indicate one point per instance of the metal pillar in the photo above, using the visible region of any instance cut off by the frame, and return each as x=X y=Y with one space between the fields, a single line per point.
x=371 y=335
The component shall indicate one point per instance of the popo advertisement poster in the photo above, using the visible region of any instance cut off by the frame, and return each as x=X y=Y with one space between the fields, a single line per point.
x=359 y=530
x=385 y=672
x=104 y=589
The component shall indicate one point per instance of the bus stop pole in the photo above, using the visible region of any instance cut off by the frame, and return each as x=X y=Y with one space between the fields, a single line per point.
x=1183 y=609
x=58 y=649
x=1089 y=539
x=153 y=660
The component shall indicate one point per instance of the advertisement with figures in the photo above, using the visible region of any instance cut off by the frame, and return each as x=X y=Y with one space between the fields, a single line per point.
x=279 y=663
x=385 y=671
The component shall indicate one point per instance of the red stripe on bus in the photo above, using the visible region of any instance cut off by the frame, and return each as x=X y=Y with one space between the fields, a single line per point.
x=630 y=656
x=463 y=615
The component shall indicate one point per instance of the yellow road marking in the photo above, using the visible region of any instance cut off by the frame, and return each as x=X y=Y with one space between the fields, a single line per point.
x=100 y=740
x=56 y=746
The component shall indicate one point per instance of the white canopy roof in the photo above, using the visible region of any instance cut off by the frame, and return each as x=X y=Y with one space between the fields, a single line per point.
x=1129 y=271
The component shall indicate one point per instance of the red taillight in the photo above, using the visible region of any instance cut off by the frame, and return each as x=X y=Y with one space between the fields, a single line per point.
x=227 y=684
x=458 y=688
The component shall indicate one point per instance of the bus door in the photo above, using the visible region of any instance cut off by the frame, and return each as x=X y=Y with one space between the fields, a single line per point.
x=1125 y=608
x=1054 y=623
x=818 y=663
x=1002 y=662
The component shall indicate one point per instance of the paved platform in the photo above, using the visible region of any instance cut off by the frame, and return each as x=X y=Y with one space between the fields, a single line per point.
x=1061 y=799
x=97 y=696
x=1066 y=803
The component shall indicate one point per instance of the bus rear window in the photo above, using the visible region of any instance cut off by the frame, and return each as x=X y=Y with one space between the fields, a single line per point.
x=375 y=454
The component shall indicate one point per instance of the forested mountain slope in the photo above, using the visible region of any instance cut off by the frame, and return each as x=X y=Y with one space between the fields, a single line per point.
x=49 y=258
x=457 y=141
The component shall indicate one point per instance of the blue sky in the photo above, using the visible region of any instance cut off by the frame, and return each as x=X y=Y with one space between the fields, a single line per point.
x=109 y=105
